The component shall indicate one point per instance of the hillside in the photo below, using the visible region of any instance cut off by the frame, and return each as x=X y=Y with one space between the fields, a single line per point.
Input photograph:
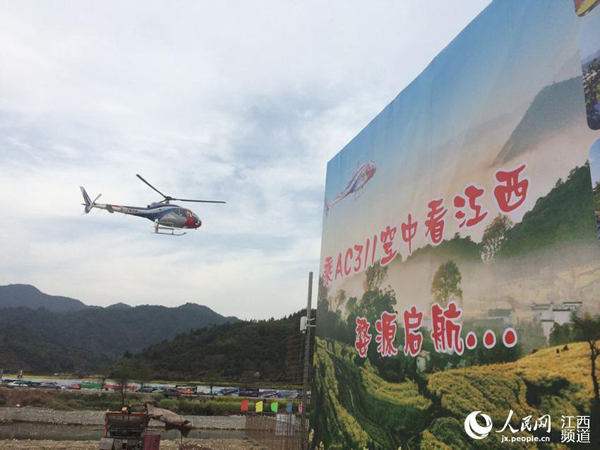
x=40 y=340
x=565 y=215
x=234 y=351
x=430 y=414
x=554 y=109
x=25 y=295
x=546 y=382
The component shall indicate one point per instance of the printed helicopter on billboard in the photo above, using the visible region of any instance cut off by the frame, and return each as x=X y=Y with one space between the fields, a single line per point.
x=357 y=181
x=168 y=219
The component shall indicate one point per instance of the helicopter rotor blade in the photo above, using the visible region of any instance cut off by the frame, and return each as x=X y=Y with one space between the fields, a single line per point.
x=165 y=196
x=197 y=201
x=168 y=198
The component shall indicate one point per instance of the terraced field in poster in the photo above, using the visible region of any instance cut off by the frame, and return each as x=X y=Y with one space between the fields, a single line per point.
x=365 y=411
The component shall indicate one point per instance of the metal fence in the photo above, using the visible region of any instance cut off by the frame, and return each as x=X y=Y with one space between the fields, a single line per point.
x=290 y=431
x=276 y=431
x=295 y=358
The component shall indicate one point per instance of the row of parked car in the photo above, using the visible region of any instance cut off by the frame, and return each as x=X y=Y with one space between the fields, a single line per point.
x=256 y=393
x=178 y=391
x=165 y=391
x=36 y=384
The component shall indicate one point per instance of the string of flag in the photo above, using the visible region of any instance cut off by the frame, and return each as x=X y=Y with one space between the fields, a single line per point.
x=273 y=407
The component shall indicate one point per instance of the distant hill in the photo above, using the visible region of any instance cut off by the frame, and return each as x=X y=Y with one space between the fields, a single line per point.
x=37 y=338
x=119 y=306
x=25 y=295
x=554 y=109
x=234 y=351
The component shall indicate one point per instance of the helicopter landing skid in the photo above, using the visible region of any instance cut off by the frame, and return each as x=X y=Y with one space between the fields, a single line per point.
x=167 y=231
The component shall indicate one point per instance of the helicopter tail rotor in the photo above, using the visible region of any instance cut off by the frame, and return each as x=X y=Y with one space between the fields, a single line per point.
x=88 y=203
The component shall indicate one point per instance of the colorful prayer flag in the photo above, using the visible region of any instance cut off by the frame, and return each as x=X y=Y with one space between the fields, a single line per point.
x=259 y=407
x=288 y=407
x=244 y=405
x=274 y=407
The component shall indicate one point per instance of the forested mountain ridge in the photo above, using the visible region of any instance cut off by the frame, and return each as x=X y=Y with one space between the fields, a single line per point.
x=16 y=295
x=37 y=338
x=240 y=351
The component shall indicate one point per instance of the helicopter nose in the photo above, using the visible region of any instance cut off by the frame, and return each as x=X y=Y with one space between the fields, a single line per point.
x=198 y=223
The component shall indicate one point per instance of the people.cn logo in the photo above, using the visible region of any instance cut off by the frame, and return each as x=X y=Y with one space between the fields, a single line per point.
x=476 y=431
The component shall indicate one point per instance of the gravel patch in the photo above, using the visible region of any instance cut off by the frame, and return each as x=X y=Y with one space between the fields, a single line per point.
x=190 y=444
x=96 y=418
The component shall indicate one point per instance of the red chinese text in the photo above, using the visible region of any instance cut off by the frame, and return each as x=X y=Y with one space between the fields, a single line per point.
x=387 y=237
x=435 y=221
x=413 y=340
x=363 y=338
x=446 y=333
x=409 y=231
x=386 y=329
x=328 y=271
x=510 y=191
x=472 y=193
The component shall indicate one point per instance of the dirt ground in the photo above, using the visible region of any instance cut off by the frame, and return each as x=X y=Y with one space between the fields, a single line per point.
x=190 y=444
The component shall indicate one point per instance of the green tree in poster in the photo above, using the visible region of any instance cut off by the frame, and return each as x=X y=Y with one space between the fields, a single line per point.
x=340 y=299
x=374 y=277
x=445 y=286
x=560 y=334
x=493 y=236
x=375 y=300
x=331 y=324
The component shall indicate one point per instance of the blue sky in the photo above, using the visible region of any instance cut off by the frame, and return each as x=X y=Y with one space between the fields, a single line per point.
x=240 y=101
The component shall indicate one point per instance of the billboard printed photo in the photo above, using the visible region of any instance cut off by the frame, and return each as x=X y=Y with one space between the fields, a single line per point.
x=460 y=263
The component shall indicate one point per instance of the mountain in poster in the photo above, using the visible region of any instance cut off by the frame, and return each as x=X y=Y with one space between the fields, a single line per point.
x=585 y=62
x=555 y=108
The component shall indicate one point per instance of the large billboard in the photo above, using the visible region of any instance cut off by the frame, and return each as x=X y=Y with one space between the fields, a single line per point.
x=459 y=288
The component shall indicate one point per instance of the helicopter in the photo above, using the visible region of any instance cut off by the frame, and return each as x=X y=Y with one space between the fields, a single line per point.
x=168 y=219
x=357 y=181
